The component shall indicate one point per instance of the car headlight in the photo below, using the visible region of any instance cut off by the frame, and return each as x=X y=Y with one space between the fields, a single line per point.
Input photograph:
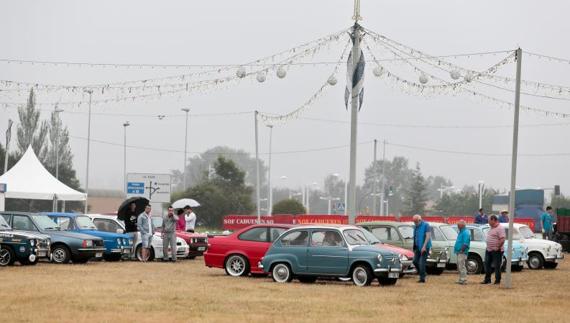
x=403 y=257
x=32 y=242
x=380 y=258
x=119 y=241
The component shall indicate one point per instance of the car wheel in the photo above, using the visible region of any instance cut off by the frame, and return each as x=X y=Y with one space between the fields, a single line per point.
x=384 y=281
x=281 y=273
x=474 y=265
x=550 y=265
x=535 y=261
x=236 y=265
x=7 y=256
x=517 y=268
x=60 y=254
x=27 y=262
x=138 y=253
x=307 y=279
x=362 y=276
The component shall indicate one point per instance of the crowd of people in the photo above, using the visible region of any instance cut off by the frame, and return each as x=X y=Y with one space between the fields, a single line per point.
x=546 y=219
x=175 y=220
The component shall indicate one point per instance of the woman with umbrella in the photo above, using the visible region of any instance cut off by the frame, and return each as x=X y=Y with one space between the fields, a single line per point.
x=128 y=212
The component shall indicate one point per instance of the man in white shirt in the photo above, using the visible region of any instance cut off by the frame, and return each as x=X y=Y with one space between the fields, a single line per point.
x=190 y=217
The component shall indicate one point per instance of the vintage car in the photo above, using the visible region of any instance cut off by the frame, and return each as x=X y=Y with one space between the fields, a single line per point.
x=117 y=245
x=240 y=252
x=541 y=253
x=65 y=246
x=310 y=252
x=197 y=242
x=25 y=247
x=110 y=223
x=478 y=246
x=406 y=256
x=401 y=234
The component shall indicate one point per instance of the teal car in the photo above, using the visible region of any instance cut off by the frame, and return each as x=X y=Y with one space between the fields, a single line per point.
x=310 y=252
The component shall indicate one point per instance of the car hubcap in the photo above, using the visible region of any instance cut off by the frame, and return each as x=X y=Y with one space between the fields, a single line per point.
x=534 y=262
x=281 y=273
x=236 y=266
x=359 y=276
x=58 y=255
x=472 y=266
x=4 y=257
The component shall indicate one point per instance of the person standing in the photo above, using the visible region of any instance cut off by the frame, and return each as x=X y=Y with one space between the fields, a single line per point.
x=504 y=218
x=461 y=249
x=190 y=217
x=131 y=225
x=169 y=222
x=494 y=253
x=481 y=217
x=146 y=228
x=547 y=219
x=181 y=223
x=422 y=246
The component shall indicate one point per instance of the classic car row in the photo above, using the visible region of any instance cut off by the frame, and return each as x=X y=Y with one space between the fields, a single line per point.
x=361 y=253
x=78 y=238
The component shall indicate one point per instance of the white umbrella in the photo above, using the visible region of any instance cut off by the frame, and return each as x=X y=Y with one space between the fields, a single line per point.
x=183 y=202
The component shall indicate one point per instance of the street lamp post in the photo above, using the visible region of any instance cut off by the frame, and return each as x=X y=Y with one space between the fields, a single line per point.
x=481 y=187
x=90 y=92
x=125 y=125
x=185 y=150
x=330 y=199
x=57 y=111
x=270 y=191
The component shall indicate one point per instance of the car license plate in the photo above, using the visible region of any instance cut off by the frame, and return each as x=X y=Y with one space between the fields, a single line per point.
x=440 y=265
x=42 y=254
x=99 y=255
x=393 y=275
x=201 y=248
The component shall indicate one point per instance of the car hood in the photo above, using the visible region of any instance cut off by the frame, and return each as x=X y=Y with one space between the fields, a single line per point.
x=73 y=235
x=540 y=243
x=104 y=235
x=25 y=234
x=188 y=235
x=398 y=250
x=372 y=249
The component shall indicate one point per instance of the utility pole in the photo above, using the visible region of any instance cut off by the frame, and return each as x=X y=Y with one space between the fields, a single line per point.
x=481 y=190
x=383 y=192
x=258 y=180
x=185 y=150
x=88 y=150
x=58 y=122
x=125 y=125
x=356 y=52
x=270 y=190
x=375 y=180
x=508 y=278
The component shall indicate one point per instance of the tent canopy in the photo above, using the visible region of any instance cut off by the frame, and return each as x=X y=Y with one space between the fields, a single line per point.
x=29 y=179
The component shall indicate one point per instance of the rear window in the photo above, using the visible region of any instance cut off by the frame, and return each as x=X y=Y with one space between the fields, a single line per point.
x=255 y=234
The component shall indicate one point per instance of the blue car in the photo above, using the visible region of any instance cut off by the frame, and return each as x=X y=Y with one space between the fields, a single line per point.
x=309 y=252
x=117 y=245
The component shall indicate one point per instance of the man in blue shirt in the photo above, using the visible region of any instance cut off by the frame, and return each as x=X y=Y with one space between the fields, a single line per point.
x=504 y=218
x=422 y=246
x=461 y=249
x=481 y=217
x=546 y=219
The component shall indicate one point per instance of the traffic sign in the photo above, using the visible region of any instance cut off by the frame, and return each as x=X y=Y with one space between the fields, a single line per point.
x=155 y=187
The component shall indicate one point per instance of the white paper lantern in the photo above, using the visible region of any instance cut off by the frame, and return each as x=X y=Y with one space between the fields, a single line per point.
x=378 y=71
x=332 y=80
x=240 y=72
x=423 y=79
x=455 y=74
x=281 y=72
x=260 y=77
x=468 y=77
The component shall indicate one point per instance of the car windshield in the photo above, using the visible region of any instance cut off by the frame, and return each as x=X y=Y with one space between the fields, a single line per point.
x=355 y=237
x=526 y=232
x=448 y=231
x=44 y=222
x=371 y=237
x=406 y=231
x=85 y=223
x=4 y=225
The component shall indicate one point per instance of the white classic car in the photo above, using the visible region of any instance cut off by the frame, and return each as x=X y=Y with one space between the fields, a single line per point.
x=541 y=253
x=110 y=223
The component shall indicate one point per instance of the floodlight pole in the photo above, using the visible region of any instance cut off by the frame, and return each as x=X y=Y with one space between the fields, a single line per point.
x=185 y=150
x=270 y=191
x=88 y=150
x=125 y=185
x=375 y=179
x=512 y=196
x=383 y=192
x=57 y=111
x=258 y=181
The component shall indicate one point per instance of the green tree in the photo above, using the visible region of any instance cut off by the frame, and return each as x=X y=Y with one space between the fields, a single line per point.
x=288 y=206
x=30 y=130
x=465 y=202
x=416 y=199
x=67 y=173
x=11 y=159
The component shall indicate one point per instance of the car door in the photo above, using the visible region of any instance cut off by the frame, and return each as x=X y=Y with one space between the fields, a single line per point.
x=327 y=253
x=253 y=243
x=293 y=247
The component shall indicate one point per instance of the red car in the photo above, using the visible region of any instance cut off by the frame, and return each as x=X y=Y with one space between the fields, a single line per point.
x=240 y=252
x=197 y=242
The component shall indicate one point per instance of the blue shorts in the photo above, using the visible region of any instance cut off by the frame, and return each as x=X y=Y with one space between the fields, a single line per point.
x=146 y=240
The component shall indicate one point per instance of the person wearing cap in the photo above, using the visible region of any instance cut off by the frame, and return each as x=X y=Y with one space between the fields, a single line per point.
x=190 y=218
x=504 y=218
x=546 y=219
x=169 y=222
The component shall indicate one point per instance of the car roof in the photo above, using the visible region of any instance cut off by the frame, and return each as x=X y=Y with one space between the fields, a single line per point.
x=328 y=226
x=16 y=213
x=66 y=214
x=396 y=223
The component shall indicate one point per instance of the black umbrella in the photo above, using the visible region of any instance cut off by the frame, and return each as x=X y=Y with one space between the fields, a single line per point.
x=139 y=201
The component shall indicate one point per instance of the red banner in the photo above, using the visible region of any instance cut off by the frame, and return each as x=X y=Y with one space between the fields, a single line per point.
x=371 y=218
x=322 y=219
x=455 y=219
x=529 y=222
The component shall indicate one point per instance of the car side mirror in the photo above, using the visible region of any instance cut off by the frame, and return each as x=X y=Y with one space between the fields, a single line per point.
x=120 y=231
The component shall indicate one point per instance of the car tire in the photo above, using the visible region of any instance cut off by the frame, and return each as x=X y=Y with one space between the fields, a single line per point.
x=550 y=265
x=307 y=279
x=7 y=256
x=281 y=273
x=236 y=266
x=474 y=265
x=27 y=262
x=138 y=253
x=535 y=261
x=60 y=254
x=385 y=281
x=362 y=276
x=517 y=268
x=112 y=257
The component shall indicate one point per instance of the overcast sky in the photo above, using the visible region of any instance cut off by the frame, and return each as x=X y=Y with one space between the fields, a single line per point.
x=233 y=32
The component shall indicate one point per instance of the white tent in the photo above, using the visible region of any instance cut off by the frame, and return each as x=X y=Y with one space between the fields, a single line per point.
x=29 y=179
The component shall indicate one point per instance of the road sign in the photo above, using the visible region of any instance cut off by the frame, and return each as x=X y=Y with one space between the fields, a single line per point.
x=155 y=187
x=340 y=207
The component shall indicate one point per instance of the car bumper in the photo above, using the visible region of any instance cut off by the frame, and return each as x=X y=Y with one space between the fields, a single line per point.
x=197 y=250
x=554 y=258
x=260 y=265
x=123 y=251
x=388 y=272
x=92 y=252
x=439 y=263
x=42 y=252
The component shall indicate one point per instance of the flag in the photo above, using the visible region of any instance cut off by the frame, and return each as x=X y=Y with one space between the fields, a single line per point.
x=354 y=78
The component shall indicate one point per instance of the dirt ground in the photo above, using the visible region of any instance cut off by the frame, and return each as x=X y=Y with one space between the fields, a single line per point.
x=188 y=291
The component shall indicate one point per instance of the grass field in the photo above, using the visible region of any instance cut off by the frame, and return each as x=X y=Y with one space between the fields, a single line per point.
x=189 y=292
